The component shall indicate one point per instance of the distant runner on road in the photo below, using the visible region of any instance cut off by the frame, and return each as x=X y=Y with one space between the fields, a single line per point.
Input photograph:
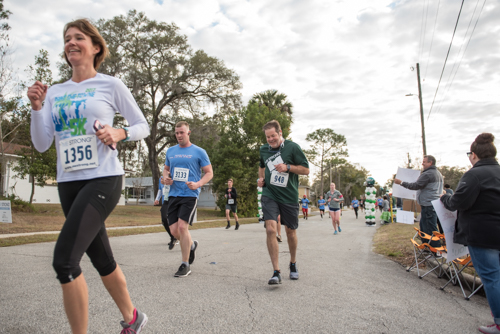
x=231 y=204
x=321 y=206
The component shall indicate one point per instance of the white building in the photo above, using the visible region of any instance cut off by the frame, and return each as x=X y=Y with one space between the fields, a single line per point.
x=21 y=188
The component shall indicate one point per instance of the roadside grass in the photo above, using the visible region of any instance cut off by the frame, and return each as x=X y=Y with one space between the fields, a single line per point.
x=29 y=239
x=50 y=218
x=393 y=241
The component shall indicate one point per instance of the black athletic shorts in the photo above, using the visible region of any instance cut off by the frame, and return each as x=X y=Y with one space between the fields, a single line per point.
x=232 y=207
x=289 y=212
x=181 y=208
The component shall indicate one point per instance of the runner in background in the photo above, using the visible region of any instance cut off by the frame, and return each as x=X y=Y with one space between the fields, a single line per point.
x=321 y=206
x=163 y=196
x=230 y=196
x=355 y=206
x=305 y=206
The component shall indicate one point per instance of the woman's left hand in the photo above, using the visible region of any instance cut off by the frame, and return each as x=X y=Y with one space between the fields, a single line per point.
x=109 y=135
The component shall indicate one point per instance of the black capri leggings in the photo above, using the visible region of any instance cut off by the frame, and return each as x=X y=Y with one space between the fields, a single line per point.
x=86 y=205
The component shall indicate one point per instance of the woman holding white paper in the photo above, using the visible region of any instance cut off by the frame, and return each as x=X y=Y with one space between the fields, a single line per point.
x=478 y=219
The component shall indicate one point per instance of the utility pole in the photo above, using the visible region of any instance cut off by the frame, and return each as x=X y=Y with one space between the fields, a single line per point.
x=421 y=109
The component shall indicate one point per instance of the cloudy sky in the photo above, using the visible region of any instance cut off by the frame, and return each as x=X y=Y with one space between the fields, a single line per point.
x=345 y=65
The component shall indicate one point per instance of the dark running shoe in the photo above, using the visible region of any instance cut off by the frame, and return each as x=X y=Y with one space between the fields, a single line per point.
x=136 y=327
x=228 y=226
x=183 y=271
x=276 y=279
x=237 y=226
x=192 y=253
x=294 y=272
x=172 y=243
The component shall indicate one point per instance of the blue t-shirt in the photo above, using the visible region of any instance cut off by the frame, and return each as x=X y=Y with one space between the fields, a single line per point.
x=187 y=162
x=355 y=203
x=305 y=203
x=321 y=204
x=380 y=202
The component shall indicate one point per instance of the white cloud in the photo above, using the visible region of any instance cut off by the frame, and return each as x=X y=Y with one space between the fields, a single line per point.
x=343 y=64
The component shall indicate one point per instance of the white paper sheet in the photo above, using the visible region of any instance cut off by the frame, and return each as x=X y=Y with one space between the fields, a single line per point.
x=405 y=217
x=447 y=219
x=407 y=175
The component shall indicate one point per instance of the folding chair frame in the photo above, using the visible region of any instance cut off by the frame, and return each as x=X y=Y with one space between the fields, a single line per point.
x=425 y=253
x=457 y=277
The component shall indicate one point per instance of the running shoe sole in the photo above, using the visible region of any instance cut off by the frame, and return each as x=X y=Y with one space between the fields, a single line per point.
x=192 y=253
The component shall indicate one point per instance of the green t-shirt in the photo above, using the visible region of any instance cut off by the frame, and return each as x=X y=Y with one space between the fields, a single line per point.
x=288 y=153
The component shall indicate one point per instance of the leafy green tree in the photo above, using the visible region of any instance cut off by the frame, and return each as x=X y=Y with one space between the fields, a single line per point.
x=352 y=177
x=169 y=80
x=452 y=175
x=327 y=148
x=236 y=153
x=272 y=99
x=40 y=167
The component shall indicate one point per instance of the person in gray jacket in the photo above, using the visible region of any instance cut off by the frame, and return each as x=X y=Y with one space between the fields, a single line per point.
x=429 y=186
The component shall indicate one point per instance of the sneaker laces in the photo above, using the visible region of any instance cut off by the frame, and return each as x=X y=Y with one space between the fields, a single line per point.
x=126 y=328
x=293 y=268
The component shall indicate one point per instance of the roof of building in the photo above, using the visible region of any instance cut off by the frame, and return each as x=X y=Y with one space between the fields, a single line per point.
x=139 y=181
x=10 y=148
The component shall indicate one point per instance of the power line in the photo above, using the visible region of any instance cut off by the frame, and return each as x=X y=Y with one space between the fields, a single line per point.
x=457 y=65
x=422 y=31
x=432 y=40
x=447 y=54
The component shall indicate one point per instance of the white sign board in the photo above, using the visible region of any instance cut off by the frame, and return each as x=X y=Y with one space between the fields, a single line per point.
x=5 y=212
x=447 y=219
x=405 y=217
x=406 y=175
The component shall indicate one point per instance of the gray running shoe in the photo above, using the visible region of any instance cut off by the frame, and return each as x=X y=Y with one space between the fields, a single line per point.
x=279 y=238
x=183 y=271
x=192 y=253
x=491 y=329
x=137 y=326
x=276 y=279
x=172 y=243
x=294 y=272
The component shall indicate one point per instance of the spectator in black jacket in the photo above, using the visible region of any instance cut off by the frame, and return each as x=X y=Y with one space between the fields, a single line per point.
x=478 y=219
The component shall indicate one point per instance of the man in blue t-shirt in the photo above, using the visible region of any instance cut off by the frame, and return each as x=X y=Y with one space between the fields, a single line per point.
x=305 y=206
x=182 y=172
x=355 y=206
x=321 y=206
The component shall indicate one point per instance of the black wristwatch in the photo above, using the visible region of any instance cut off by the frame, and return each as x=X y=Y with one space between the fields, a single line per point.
x=288 y=168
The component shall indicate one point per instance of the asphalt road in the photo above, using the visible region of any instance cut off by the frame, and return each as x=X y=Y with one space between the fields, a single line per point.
x=343 y=288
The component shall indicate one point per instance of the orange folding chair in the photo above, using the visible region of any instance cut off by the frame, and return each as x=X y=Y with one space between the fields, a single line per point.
x=424 y=253
x=457 y=268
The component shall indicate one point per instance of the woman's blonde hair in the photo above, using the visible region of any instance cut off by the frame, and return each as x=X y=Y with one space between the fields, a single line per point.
x=90 y=30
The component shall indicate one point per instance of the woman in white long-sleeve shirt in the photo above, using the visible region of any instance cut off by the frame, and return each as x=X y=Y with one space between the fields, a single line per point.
x=89 y=174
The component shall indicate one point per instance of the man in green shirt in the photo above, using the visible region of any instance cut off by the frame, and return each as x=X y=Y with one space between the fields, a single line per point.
x=281 y=163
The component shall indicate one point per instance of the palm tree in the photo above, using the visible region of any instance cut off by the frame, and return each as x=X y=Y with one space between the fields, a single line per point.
x=272 y=99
